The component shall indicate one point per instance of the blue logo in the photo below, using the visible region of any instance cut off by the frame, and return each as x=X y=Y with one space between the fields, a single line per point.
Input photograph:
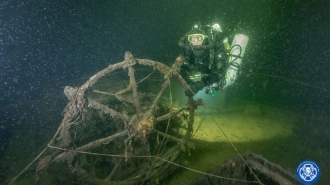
x=308 y=172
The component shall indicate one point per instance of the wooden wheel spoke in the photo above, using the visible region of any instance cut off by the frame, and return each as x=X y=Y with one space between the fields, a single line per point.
x=80 y=132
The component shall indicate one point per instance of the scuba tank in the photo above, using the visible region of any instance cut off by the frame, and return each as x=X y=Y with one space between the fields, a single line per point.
x=237 y=51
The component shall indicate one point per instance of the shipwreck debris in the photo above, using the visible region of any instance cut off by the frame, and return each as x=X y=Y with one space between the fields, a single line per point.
x=107 y=138
x=129 y=135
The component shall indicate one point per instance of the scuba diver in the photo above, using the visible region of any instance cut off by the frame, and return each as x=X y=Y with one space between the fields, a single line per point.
x=210 y=61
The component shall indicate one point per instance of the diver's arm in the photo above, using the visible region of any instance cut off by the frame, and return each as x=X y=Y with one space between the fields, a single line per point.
x=182 y=44
x=194 y=87
x=211 y=60
x=204 y=47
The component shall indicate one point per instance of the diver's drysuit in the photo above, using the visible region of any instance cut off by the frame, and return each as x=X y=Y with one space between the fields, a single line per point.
x=209 y=59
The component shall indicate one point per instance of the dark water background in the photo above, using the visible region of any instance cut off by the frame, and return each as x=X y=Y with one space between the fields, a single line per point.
x=46 y=45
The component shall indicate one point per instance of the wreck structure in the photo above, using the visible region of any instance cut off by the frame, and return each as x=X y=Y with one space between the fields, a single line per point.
x=114 y=132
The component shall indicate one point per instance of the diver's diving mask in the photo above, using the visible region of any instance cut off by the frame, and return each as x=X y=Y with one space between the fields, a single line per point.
x=196 y=39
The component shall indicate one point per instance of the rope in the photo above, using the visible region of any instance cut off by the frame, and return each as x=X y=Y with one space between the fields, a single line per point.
x=237 y=152
x=152 y=156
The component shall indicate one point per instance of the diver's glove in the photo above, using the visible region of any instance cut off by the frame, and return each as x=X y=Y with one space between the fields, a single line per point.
x=213 y=88
x=194 y=88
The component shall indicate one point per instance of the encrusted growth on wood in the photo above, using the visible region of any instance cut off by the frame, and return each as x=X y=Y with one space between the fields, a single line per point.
x=133 y=130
